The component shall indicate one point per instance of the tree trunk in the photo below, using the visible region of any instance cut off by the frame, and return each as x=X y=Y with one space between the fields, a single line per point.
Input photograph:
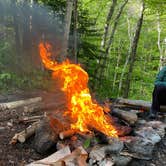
x=103 y=64
x=117 y=66
x=161 y=64
x=16 y=27
x=75 y=30
x=69 y=7
x=133 y=53
x=127 y=57
x=107 y=23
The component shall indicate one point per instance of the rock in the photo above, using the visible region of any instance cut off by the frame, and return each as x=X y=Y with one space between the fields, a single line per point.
x=97 y=153
x=44 y=138
x=2 y=129
x=121 y=160
x=139 y=147
x=115 y=145
x=106 y=162
x=158 y=126
x=141 y=122
x=9 y=124
x=149 y=133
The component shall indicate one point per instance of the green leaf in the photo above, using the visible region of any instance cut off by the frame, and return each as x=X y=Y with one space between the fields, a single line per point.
x=87 y=143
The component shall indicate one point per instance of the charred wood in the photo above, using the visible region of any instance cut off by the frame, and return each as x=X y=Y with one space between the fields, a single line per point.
x=66 y=134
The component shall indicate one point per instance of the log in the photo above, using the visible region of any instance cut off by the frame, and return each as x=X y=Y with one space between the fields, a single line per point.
x=129 y=117
x=64 y=157
x=19 y=103
x=25 y=134
x=66 y=134
x=139 y=104
x=55 y=157
x=31 y=119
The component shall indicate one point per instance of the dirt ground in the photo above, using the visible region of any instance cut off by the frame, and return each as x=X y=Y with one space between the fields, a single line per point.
x=21 y=154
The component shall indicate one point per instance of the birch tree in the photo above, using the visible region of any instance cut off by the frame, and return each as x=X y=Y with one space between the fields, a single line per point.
x=133 y=52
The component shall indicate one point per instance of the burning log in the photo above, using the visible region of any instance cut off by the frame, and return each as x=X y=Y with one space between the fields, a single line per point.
x=130 y=117
x=66 y=134
x=140 y=104
x=19 y=103
x=25 y=134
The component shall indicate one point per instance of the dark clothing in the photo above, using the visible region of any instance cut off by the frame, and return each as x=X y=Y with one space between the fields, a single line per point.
x=159 y=98
x=159 y=92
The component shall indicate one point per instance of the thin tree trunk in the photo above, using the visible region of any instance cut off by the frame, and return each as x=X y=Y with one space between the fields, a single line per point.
x=75 y=30
x=116 y=68
x=159 y=42
x=16 y=28
x=111 y=38
x=127 y=58
x=107 y=23
x=68 y=15
x=133 y=53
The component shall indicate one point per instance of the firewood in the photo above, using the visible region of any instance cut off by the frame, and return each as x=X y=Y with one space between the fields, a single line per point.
x=53 y=158
x=31 y=119
x=66 y=134
x=19 y=103
x=25 y=134
x=130 y=117
x=139 y=104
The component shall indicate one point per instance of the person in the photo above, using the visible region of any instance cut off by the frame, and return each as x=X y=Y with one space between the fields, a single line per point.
x=159 y=93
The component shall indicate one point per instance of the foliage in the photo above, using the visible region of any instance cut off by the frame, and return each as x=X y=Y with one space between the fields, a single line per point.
x=15 y=72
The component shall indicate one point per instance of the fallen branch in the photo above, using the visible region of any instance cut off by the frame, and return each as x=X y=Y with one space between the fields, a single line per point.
x=66 y=134
x=31 y=119
x=139 y=104
x=19 y=103
x=25 y=134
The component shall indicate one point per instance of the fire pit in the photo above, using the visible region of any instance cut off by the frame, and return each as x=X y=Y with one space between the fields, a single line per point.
x=77 y=130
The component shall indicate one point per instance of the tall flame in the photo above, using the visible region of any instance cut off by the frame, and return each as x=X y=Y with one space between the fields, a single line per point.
x=83 y=112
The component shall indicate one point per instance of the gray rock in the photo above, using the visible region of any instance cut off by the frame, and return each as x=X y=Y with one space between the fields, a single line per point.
x=100 y=151
x=2 y=129
x=115 y=145
x=158 y=126
x=44 y=138
x=121 y=160
x=149 y=133
x=139 y=147
x=97 y=153
x=106 y=162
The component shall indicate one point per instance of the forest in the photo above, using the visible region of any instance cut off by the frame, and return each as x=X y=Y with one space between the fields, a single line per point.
x=120 y=43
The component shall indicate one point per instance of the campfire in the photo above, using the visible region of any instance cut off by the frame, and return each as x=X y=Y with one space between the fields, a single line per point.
x=77 y=129
x=83 y=112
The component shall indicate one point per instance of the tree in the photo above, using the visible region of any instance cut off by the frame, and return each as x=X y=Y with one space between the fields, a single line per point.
x=69 y=8
x=133 y=52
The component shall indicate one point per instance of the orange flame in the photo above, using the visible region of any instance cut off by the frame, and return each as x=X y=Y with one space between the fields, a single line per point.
x=83 y=112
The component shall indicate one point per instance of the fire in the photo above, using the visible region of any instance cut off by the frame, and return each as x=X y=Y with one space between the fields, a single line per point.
x=84 y=113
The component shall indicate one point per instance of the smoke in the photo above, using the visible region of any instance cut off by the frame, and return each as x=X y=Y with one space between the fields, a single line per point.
x=23 y=24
